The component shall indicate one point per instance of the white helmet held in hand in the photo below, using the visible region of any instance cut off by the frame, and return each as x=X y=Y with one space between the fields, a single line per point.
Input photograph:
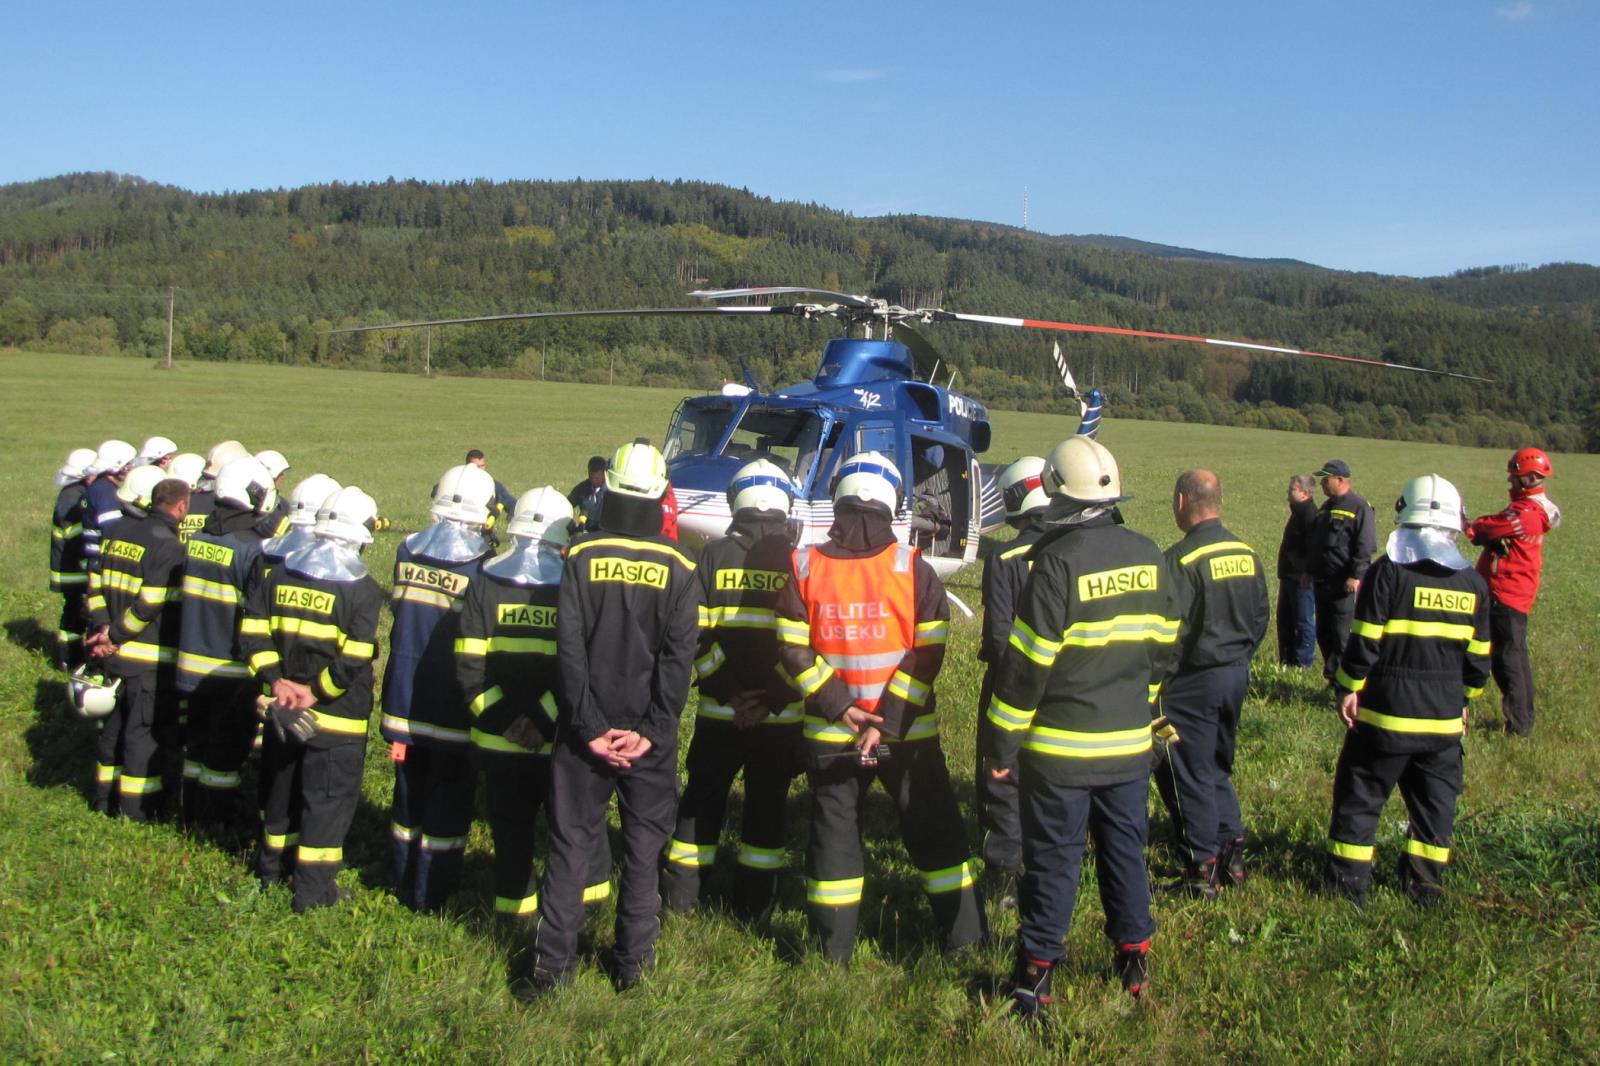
x=542 y=515
x=247 y=484
x=1430 y=500
x=347 y=515
x=112 y=456
x=463 y=494
x=156 y=449
x=75 y=467
x=1022 y=487
x=223 y=453
x=760 y=486
x=93 y=696
x=870 y=477
x=140 y=484
x=1084 y=470
x=274 y=461
x=188 y=467
x=308 y=497
x=638 y=470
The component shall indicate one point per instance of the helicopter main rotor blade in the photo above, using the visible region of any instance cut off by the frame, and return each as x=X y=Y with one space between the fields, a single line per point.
x=525 y=315
x=782 y=290
x=1079 y=327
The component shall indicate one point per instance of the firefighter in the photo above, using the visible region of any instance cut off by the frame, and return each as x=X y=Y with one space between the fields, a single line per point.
x=862 y=627
x=309 y=631
x=1418 y=650
x=1220 y=588
x=157 y=451
x=1093 y=636
x=625 y=636
x=424 y=715
x=219 y=719
x=506 y=665
x=204 y=496
x=1343 y=539
x=133 y=620
x=102 y=510
x=305 y=501
x=275 y=523
x=749 y=717
x=68 y=575
x=189 y=468
x=1005 y=573
x=1513 y=556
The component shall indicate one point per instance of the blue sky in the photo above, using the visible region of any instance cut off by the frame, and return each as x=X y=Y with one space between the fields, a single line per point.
x=1403 y=136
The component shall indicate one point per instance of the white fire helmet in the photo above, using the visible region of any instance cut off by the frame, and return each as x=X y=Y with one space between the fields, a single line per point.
x=75 y=467
x=223 y=453
x=112 y=456
x=188 y=467
x=464 y=494
x=247 y=483
x=1084 y=470
x=156 y=449
x=308 y=497
x=1430 y=500
x=274 y=461
x=760 y=486
x=347 y=515
x=542 y=515
x=140 y=484
x=870 y=477
x=637 y=470
x=93 y=696
x=1022 y=487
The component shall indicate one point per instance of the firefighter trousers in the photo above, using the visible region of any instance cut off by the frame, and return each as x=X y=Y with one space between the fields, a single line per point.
x=999 y=802
x=314 y=789
x=138 y=756
x=1336 y=610
x=916 y=778
x=1195 y=775
x=768 y=755
x=1430 y=783
x=434 y=787
x=219 y=730
x=1056 y=820
x=1513 y=671
x=580 y=789
x=69 y=631
x=515 y=788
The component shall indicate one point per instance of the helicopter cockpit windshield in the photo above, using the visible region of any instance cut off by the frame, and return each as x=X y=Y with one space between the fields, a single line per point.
x=746 y=429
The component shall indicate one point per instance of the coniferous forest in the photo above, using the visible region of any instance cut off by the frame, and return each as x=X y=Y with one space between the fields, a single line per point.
x=87 y=260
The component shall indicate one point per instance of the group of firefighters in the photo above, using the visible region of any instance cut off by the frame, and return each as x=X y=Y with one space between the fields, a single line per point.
x=204 y=615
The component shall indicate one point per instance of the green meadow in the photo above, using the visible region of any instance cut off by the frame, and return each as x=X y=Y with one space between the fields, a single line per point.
x=122 y=942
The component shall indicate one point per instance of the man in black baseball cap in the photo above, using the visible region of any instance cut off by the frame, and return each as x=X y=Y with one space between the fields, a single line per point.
x=1343 y=540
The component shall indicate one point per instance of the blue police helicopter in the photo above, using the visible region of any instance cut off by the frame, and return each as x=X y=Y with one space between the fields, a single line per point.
x=872 y=392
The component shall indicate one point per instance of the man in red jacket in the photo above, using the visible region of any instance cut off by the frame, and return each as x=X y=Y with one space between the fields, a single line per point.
x=1513 y=555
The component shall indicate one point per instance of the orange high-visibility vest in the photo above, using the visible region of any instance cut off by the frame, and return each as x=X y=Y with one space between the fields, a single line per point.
x=862 y=612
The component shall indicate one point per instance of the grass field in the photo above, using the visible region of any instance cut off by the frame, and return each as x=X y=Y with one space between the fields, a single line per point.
x=135 y=943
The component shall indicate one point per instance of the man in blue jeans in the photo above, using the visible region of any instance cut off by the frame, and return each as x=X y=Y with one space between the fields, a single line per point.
x=1297 y=601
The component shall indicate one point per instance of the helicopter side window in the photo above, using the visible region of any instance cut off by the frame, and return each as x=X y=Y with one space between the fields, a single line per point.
x=939 y=497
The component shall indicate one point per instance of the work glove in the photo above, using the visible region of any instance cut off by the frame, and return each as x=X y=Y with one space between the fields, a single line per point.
x=524 y=732
x=1164 y=730
x=299 y=724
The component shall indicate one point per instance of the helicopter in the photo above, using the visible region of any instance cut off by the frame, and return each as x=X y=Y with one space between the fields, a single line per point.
x=870 y=393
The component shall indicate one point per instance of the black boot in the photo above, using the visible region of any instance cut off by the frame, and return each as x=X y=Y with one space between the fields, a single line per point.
x=1230 y=864
x=1132 y=966
x=1199 y=880
x=1029 y=988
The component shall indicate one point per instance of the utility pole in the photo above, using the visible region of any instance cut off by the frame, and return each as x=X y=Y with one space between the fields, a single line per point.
x=172 y=291
x=612 y=380
x=427 y=352
x=541 y=362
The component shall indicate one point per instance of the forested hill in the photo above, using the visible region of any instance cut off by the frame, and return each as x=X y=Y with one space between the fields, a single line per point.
x=86 y=260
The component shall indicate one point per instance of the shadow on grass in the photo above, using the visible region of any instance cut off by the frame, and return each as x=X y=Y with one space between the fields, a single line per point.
x=29 y=635
x=60 y=743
